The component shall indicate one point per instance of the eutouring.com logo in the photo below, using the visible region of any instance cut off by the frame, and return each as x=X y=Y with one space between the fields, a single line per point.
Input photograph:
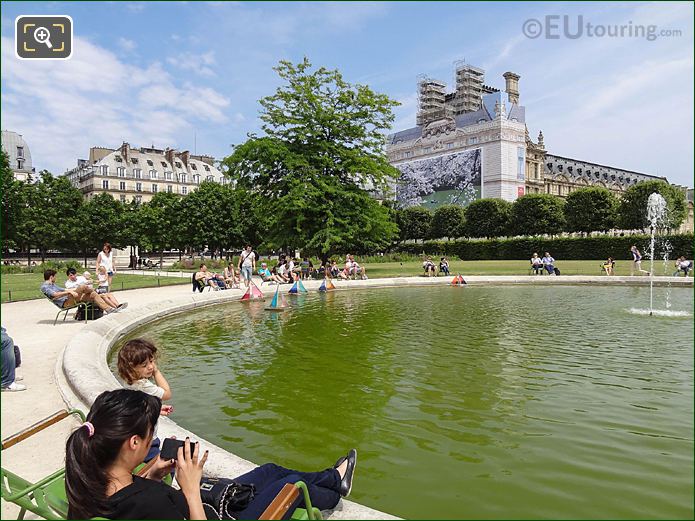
x=555 y=27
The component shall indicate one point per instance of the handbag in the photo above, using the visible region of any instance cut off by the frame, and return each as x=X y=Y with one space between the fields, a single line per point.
x=224 y=497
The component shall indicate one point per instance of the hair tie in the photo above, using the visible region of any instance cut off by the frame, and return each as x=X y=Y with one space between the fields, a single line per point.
x=90 y=428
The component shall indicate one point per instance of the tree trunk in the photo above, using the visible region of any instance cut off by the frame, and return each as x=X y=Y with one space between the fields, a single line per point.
x=43 y=255
x=85 y=258
x=161 y=259
x=29 y=255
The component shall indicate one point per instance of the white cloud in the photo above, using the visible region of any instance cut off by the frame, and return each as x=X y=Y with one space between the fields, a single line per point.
x=198 y=63
x=126 y=44
x=95 y=99
x=135 y=7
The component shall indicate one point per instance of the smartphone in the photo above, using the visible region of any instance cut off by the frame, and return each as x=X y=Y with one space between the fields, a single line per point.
x=170 y=448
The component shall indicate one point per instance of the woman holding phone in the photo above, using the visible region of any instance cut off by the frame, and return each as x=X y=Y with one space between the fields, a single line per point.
x=102 y=453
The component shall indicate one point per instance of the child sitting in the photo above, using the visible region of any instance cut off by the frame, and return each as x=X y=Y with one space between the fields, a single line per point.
x=103 y=279
x=136 y=365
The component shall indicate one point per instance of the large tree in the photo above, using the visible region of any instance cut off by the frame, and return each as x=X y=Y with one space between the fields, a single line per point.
x=52 y=217
x=13 y=203
x=487 y=218
x=157 y=221
x=538 y=214
x=322 y=148
x=211 y=214
x=447 y=221
x=633 y=205
x=591 y=209
x=414 y=223
x=101 y=219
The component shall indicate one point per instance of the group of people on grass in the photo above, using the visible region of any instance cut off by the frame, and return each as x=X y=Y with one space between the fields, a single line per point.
x=121 y=433
x=289 y=269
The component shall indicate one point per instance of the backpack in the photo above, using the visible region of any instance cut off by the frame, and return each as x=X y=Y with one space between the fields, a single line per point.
x=93 y=312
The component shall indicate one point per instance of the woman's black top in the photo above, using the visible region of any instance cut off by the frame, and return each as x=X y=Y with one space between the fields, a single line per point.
x=148 y=499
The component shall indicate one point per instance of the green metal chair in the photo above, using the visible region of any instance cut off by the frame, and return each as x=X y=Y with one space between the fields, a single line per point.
x=46 y=497
x=284 y=501
x=65 y=310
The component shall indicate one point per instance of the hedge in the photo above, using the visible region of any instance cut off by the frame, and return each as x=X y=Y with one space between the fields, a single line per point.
x=568 y=248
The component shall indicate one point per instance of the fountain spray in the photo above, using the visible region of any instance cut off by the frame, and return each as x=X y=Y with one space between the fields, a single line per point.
x=656 y=212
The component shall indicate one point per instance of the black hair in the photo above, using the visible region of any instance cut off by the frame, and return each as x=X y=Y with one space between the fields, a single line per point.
x=116 y=416
x=71 y=271
x=48 y=274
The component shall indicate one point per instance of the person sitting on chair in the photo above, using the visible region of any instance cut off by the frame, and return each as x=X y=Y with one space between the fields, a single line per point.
x=428 y=266
x=206 y=278
x=684 y=265
x=608 y=266
x=444 y=266
x=536 y=264
x=356 y=269
x=266 y=276
x=548 y=263
x=230 y=278
x=75 y=281
x=67 y=298
x=102 y=453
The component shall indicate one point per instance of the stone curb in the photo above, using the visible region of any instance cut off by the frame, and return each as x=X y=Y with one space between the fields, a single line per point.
x=82 y=372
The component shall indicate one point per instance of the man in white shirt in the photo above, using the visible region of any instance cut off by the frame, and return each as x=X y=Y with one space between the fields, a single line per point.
x=75 y=280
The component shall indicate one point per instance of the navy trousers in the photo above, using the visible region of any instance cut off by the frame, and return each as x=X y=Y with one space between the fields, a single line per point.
x=269 y=479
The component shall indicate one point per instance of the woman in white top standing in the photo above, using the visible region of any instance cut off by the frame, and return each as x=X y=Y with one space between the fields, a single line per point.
x=105 y=258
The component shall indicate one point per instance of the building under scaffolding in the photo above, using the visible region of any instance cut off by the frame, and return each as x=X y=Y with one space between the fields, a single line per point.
x=432 y=104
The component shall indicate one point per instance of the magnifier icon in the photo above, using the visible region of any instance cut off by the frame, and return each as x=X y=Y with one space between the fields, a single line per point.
x=43 y=35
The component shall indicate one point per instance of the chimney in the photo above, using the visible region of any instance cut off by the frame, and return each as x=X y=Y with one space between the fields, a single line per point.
x=169 y=154
x=512 y=87
x=185 y=156
x=125 y=150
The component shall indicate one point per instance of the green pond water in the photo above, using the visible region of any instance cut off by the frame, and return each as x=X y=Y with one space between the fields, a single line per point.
x=474 y=402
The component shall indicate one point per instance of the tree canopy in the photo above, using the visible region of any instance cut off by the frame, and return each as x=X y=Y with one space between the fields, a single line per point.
x=487 y=218
x=322 y=150
x=633 y=205
x=538 y=214
x=592 y=209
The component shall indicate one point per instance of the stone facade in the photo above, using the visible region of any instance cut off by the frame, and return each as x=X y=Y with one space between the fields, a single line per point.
x=513 y=164
x=17 y=150
x=136 y=174
x=496 y=128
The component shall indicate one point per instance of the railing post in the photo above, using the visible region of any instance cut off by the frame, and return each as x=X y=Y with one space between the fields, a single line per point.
x=10 y=297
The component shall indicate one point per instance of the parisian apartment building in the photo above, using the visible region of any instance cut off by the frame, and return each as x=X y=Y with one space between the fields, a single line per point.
x=137 y=174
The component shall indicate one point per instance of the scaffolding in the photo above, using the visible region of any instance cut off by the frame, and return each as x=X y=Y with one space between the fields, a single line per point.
x=469 y=88
x=431 y=100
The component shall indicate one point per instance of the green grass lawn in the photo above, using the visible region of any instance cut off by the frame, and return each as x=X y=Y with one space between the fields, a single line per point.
x=25 y=286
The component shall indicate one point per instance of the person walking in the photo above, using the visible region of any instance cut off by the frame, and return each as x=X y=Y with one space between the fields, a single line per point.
x=636 y=261
x=105 y=258
x=247 y=264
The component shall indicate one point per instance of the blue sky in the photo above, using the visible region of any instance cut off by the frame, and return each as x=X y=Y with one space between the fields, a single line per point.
x=161 y=72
